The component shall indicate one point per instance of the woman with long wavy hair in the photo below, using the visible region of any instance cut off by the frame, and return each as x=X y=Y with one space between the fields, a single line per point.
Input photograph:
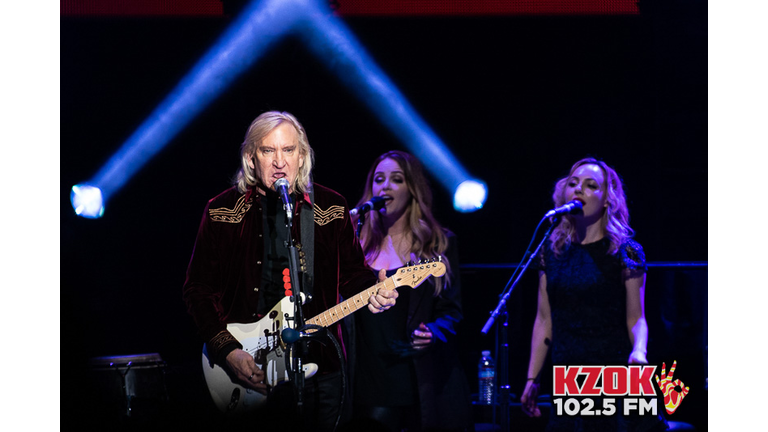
x=408 y=374
x=591 y=296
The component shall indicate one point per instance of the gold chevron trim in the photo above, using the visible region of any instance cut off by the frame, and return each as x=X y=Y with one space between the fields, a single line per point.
x=233 y=215
x=323 y=217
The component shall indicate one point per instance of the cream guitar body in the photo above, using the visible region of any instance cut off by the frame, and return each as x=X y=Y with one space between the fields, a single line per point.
x=263 y=341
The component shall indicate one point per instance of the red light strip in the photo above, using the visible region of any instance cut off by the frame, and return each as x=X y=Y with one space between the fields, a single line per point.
x=392 y=8
x=483 y=7
x=141 y=8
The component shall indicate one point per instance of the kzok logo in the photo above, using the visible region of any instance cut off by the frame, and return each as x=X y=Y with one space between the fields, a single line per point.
x=634 y=381
x=616 y=380
x=672 y=396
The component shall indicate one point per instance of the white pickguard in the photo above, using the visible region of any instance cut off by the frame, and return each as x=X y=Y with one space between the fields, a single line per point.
x=262 y=341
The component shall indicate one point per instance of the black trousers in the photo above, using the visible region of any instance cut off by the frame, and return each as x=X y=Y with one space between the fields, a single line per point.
x=322 y=406
x=385 y=419
x=320 y=411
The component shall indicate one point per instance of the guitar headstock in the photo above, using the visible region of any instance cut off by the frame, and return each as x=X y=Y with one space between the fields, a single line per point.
x=414 y=274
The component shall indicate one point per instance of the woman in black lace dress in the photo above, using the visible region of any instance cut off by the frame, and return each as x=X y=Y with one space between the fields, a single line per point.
x=591 y=292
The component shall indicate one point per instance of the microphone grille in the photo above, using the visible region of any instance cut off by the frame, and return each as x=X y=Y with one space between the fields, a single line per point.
x=281 y=182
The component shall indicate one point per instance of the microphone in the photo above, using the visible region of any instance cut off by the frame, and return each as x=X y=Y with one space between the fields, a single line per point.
x=375 y=203
x=571 y=207
x=290 y=335
x=281 y=187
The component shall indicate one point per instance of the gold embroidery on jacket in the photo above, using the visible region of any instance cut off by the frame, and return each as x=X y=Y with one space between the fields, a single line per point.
x=217 y=342
x=233 y=215
x=323 y=217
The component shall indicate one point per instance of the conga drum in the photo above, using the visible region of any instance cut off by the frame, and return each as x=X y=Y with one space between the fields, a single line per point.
x=131 y=386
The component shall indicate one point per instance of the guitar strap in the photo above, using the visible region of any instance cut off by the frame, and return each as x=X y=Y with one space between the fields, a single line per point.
x=308 y=245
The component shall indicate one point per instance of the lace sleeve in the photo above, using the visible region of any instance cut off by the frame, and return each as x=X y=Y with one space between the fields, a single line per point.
x=632 y=256
x=539 y=263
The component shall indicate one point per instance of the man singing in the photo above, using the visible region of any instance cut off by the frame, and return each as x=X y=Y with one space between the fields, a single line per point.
x=241 y=254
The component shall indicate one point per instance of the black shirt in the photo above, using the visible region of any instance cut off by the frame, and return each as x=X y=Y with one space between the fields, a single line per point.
x=275 y=252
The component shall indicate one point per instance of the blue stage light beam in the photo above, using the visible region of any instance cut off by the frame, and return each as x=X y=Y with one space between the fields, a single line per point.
x=470 y=195
x=332 y=41
x=88 y=201
x=259 y=26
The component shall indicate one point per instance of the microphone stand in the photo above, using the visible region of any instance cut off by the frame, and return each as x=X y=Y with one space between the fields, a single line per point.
x=502 y=336
x=360 y=222
x=374 y=204
x=298 y=347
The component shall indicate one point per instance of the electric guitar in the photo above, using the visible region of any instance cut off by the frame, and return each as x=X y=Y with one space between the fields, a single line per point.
x=263 y=341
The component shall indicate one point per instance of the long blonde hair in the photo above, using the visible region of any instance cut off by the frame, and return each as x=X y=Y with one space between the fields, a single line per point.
x=429 y=239
x=248 y=177
x=615 y=220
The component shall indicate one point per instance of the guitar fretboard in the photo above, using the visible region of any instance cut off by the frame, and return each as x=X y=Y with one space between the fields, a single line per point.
x=349 y=306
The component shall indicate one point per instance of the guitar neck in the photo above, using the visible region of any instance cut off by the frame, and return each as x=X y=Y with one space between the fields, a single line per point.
x=350 y=306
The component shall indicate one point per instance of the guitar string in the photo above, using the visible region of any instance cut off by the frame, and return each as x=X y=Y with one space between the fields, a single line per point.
x=330 y=316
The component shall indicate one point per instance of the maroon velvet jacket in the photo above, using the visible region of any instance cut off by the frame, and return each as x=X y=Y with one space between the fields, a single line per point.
x=224 y=273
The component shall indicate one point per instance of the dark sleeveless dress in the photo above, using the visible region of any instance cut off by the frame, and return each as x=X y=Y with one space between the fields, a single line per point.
x=587 y=300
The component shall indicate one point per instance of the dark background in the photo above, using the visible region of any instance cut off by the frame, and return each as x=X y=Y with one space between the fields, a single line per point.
x=517 y=99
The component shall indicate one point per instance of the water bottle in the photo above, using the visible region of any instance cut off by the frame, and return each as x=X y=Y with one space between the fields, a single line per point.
x=486 y=375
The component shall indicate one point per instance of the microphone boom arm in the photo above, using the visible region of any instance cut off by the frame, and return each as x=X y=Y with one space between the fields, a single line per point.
x=508 y=289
